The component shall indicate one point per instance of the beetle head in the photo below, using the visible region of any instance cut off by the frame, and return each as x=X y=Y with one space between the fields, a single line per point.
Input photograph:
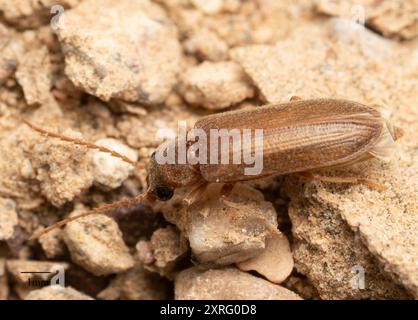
x=164 y=178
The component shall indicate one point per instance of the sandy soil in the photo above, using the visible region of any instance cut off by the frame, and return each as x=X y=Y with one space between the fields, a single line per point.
x=122 y=73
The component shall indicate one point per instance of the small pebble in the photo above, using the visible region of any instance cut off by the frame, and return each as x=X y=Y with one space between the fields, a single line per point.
x=275 y=263
x=57 y=293
x=129 y=51
x=16 y=267
x=207 y=45
x=35 y=81
x=95 y=243
x=62 y=169
x=144 y=250
x=227 y=284
x=8 y=218
x=232 y=229
x=167 y=249
x=215 y=85
x=136 y=284
x=110 y=171
x=4 y=286
x=208 y=6
x=52 y=244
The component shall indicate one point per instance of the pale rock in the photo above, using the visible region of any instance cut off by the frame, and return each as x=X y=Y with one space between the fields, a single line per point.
x=329 y=72
x=4 y=286
x=144 y=250
x=121 y=49
x=24 y=15
x=8 y=218
x=385 y=221
x=16 y=267
x=329 y=253
x=9 y=52
x=275 y=263
x=136 y=284
x=110 y=171
x=95 y=243
x=394 y=19
x=57 y=293
x=52 y=243
x=167 y=248
x=151 y=129
x=208 y=6
x=215 y=85
x=227 y=284
x=206 y=45
x=62 y=169
x=26 y=170
x=35 y=81
x=231 y=229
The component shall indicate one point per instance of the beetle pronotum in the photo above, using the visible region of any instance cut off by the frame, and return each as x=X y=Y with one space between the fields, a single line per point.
x=299 y=136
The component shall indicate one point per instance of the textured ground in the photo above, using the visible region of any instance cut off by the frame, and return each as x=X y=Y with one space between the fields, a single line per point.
x=121 y=73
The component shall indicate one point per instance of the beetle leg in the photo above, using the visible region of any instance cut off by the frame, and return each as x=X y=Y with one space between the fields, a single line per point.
x=196 y=192
x=347 y=179
x=294 y=98
x=226 y=190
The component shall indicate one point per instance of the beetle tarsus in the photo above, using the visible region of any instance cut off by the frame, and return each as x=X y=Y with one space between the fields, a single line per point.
x=193 y=195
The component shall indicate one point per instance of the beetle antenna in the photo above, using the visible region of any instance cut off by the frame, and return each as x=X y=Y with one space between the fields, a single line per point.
x=100 y=210
x=79 y=142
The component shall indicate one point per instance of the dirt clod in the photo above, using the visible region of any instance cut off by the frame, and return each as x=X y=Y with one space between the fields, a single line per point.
x=4 y=287
x=229 y=230
x=141 y=65
x=109 y=171
x=57 y=293
x=96 y=244
x=215 y=85
x=36 y=83
x=275 y=262
x=21 y=270
x=136 y=284
x=227 y=284
x=8 y=218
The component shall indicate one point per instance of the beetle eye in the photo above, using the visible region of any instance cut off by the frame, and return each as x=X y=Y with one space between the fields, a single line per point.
x=163 y=193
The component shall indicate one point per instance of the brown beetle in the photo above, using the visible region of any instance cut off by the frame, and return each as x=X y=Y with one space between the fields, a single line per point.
x=298 y=136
